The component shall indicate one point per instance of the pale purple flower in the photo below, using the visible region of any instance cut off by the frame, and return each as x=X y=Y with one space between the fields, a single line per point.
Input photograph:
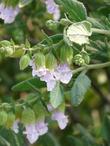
x=31 y=133
x=61 y=118
x=15 y=126
x=8 y=14
x=50 y=80
x=63 y=73
x=53 y=8
x=41 y=128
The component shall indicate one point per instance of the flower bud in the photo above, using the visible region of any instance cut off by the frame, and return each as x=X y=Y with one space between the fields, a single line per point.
x=66 y=54
x=24 y=61
x=51 y=61
x=3 y=118
x=65 y=22
x=9 y=51
x=28 y=116
x=52 y=25
x=85 y=56
x=10 y=119
x=39 y=60
x=78 y=60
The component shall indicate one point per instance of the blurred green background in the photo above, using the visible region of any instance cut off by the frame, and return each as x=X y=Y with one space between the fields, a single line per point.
x=90 y=122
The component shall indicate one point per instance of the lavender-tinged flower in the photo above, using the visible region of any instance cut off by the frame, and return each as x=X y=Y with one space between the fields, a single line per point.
x=53 y=8
x=60 y=73
x=61 y=118
x=31 y=133
x=8 y=14
x=41 y=128
x=63 y=73
x=49 y=79
x=15 y=126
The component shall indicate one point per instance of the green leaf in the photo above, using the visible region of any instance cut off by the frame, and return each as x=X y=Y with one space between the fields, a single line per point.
x=79 y=32
x=29 y=85
x=23 y=3
x=28 y=116
x=56 y=96
x=75 y=9
x=81 y=85
x=24 y=61
x=4 y=142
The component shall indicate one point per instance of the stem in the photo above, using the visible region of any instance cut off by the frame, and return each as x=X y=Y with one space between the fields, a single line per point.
x=92 y=66
x=101 y=31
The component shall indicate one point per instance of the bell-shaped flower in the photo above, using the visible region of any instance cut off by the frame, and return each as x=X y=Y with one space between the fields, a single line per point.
x=53 y=8
x=8 y=14
x=61 y=118
x=63 y=73
x=31 y=133
x=41 y=127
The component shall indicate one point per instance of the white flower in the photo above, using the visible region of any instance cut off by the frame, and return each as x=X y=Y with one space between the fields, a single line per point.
x=61 y=118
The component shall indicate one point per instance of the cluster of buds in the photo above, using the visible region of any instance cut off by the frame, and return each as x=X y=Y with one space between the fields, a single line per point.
x=82 y=58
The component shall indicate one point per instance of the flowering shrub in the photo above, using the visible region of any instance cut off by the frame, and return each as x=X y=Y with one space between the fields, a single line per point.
x=58 y=43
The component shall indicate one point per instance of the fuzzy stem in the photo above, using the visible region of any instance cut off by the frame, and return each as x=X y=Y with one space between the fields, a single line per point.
x=92 y=66
x=101 y=31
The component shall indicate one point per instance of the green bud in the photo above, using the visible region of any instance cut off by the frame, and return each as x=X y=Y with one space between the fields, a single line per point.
x=65 y=22
x=51 y=61
x=28 y=116
x=10 y=119
x=85 y=56
x=52 y=25
x=66 y=54
x=3 y=118
x=39 y=60
x=24 y=61
x=18 y=53
x=78 y=60
x=9 y=51
x=39 y=109
x=18 y=112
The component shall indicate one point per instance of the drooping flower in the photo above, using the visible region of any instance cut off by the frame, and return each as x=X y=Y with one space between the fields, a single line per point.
x=31 y=133
x=61 y=118
x=41 y=128
x=53 y=8
x=63 y=73
x=8 y=14
x=15 y=126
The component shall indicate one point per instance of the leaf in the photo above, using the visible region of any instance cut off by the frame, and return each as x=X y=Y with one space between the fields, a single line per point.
x=24 y=61
x=79 y=32
x=75 y=9
x=49 y=140
x=29 y=85
x=79 y=89
x=23 y=3
x=4 y=142
x=56 y=96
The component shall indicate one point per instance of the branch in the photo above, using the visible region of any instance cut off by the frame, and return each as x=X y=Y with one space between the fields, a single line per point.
x=92 y=66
